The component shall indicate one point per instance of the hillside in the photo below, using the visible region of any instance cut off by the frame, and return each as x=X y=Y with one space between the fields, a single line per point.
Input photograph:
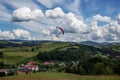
x=26 y=50
x=85 y=57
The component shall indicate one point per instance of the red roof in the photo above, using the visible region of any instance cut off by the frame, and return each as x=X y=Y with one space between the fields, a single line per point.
x=31 y=63
x=3 y=70
x=31 y=66
x=118 y=56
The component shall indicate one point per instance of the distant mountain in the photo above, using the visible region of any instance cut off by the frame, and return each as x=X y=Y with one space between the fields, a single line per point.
x=36 y=42
x=91 y=43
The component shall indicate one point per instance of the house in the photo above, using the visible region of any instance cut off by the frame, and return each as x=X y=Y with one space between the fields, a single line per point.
x=49 y=63
x=4 y=72
x=30 y=67
x=117 y=56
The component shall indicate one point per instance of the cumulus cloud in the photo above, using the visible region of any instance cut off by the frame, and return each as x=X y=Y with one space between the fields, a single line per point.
x=118 y=18
x=74 y=24
x=21 y=34
x=55 y=13
x=98 y=17
x=15 y=34
x=26 y=14
x=6 y=35
x=75 y=28
x=109 y=32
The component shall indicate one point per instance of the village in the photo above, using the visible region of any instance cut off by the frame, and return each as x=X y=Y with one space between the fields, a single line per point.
x=29 y=68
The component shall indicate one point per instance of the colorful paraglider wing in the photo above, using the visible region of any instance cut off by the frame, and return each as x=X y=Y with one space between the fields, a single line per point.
x=61 y=30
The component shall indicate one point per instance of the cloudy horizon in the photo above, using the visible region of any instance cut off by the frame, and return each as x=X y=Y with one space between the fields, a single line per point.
x=82 y=20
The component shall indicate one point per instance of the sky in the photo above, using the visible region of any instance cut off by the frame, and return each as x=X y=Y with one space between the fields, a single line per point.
x=81 y=20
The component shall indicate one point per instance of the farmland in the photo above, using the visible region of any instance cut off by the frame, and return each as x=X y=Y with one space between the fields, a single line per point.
x=58 y=76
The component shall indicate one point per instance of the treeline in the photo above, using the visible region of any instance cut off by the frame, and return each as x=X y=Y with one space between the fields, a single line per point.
x=86 y=60
x=96 y=65
x=71 y=53
x=9 y=44
x=6 y=66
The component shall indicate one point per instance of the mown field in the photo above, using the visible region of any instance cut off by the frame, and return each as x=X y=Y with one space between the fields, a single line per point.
x=58 y=76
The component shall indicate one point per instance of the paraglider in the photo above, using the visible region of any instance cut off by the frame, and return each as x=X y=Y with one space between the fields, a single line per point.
x=61 y=29
x=57 y=32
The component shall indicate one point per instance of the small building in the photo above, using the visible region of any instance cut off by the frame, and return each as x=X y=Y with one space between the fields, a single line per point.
x=117 y=56
x=30 y=67
x=4 y=72
x=49 y=63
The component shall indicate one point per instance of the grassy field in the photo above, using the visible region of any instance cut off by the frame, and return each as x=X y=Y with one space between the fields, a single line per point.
x=19 y=54
x=51 y=46
x=58 y=76
x=16 y=55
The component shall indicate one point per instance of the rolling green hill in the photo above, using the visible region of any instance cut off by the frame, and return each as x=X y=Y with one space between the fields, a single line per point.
x=18 y=51
x=86 y=57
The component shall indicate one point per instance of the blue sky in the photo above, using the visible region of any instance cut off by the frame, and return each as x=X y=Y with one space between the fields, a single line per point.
x=82 y=20
x=103 y=7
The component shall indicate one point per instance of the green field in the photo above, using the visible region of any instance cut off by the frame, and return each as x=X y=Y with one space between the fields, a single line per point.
x=58 y=76
x=52 y=46
x=16 y=55
x=19 y=54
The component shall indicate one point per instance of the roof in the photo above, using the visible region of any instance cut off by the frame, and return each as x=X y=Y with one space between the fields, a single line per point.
x=118 y=56
x=3 y=70
x=31 y=66
x=31 y=63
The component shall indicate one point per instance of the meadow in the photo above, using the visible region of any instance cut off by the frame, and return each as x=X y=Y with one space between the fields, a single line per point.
x=59 y=76
x=16 y=55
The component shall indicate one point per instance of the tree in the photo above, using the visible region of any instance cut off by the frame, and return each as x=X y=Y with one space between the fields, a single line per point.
x=1 y=54
x=100 y=68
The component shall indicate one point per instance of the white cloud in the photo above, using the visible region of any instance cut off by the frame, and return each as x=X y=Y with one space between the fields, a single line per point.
x=55 y=13
x=36 y=27
x=114 y=28
x=118 y=18
x=21 y=34
x=75 y=28
x=73 y=24
x=15 y=34
x=25 y=14
x=109 y=32
x=98 y=17
x=6 y=35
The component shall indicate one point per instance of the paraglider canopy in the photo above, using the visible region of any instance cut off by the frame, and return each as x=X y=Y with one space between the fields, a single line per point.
x=61 y=29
